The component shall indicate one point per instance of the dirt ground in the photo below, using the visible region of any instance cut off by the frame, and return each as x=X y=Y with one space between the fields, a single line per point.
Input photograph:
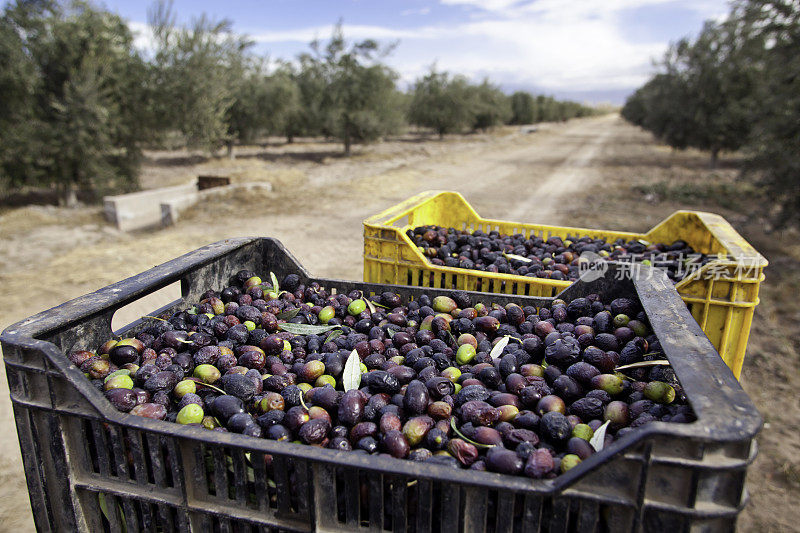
x=596 y=172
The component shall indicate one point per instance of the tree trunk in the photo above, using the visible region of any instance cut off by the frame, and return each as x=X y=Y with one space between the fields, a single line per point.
x=289 y=137
x=441 y=135
x=714 y=158
x=71 y=197
x=67 y=196
x=229 y=145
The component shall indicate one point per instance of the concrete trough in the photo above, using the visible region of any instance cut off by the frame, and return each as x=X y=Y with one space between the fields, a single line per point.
x=140 y=210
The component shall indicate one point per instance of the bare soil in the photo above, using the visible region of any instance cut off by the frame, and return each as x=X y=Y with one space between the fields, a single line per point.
x=596 y=172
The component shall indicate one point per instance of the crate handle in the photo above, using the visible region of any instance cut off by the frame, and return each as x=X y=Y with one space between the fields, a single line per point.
x=398 y=211
x=106 y=301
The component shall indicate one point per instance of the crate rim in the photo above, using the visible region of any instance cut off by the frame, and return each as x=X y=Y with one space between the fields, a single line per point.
x=709 y=427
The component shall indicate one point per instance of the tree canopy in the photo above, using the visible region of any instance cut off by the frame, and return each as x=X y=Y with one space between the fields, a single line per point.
x=80 y=101
x=735 y=86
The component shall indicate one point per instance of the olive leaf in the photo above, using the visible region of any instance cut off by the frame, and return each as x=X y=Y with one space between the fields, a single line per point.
x=452 y=338
x=305 y=329
x=660 y=362
x=211 y=387
x=455 y=429
x=501 y=344
x=274 y=282
x=302 y=400
x=351 y=375
x=288 y=315
x=516 y=257
x=332 y=336
x=598 y=440
x=370 y=304
x=157 y=318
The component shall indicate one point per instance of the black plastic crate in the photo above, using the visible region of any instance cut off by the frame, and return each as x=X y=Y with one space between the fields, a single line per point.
x=92 y=468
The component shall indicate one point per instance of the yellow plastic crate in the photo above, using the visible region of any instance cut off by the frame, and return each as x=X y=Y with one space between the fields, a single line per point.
x=721 y=295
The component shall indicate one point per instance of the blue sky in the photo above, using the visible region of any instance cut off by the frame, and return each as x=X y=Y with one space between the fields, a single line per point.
x=589 y=50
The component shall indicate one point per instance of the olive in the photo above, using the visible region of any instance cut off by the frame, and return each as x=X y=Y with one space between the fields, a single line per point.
x=487 y=435
x=190 y=414
x=587 y=408
x=551 y=403
x=314 y=431
x=583 y=431
x=503 y=461
x=120 y=381
x=356 y=307
x=444 y=304
x=479 y=413
x=363 y=429
x=150 y=410
x=463 y=451
x=278 y=432
x=238 y=385
x=569 y=461
x=436 y=439
x=351 y=408
x=610 y=383
x=123 y=399
x=270 y=418
x=395 y=444
x=207 y=373
x=416 y=398
x=416 y=428
x=660 y=392
x=616 y=412
x=539 y=464
x=224 y=407
x=554 y=427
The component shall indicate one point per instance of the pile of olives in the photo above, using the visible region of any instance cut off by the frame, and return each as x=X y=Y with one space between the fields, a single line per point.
x=449 y=380
x=554 y=258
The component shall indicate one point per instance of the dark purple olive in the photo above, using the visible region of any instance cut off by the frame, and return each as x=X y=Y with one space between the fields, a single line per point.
x=503 y=461
x=224 y=407
x=363 y=429
x=567 y=388
x=149 y=410
x=122 y=399
x=579 y=447
x=314 y=431
x=351 y=408
x=517 y=436
x=554 y=428
x=587 y=408
x=487 y=435
x=463 y=451
x=436 y=439
x=395 y=444
x=539 y=464
x=415 y=400
x=296 y=417
x=479 y=413
x=381 y=381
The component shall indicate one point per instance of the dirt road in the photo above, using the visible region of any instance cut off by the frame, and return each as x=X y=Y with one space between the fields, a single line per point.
x=316 y=210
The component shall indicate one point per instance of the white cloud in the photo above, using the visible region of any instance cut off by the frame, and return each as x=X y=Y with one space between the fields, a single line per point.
x=142 y=35
x=578 y=45
x=420 y=11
